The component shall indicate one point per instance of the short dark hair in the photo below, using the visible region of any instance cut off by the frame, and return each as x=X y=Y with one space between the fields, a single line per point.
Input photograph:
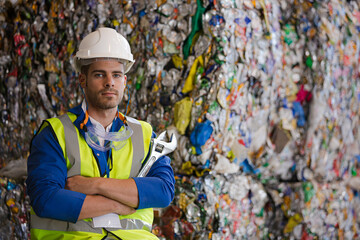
x=85 y=69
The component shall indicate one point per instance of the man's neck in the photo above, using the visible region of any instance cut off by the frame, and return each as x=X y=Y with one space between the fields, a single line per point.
x=104 y=117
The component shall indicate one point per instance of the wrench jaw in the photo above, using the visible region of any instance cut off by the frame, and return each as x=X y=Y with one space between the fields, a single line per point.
x=159 y=148
x=162 y=136
x=173 y=142
x=170 y=146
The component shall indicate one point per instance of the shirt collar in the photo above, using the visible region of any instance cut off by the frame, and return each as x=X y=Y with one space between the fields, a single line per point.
x=79 y=111
x=95 y=123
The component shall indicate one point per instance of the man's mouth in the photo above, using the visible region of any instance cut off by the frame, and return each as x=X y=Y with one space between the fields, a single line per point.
x=109 y=93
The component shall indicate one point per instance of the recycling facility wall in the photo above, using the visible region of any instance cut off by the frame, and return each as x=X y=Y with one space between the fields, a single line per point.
x=263 y=97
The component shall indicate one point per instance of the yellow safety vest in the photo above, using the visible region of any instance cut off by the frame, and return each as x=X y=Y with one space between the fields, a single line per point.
x=127 y=163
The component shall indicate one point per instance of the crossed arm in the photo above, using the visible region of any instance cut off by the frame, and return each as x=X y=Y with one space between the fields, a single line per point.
x=104 y=195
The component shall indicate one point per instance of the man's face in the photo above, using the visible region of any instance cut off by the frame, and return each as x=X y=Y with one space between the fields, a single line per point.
x=104 y=84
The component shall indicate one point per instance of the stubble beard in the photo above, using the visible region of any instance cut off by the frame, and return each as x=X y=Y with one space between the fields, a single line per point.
x=102 y=102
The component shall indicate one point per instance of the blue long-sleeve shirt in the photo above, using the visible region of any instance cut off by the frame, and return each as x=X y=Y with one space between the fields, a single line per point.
x=47 y=175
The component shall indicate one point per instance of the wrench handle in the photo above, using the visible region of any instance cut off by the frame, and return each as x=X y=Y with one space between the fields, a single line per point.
x=144 y=171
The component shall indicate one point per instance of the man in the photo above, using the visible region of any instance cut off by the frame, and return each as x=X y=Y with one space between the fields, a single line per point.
x=82 y=166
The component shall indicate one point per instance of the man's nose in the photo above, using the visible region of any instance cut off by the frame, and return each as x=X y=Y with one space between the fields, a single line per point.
x=109 y=81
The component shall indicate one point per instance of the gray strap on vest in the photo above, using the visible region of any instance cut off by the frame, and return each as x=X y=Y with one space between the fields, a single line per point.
x=138 y=145
x=48 y=224
x=56 y=225
x=72 y=149
x=84 y=226
x=131 y=224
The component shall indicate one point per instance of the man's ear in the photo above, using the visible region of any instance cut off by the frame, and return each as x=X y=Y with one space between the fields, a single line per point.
x=82 y=80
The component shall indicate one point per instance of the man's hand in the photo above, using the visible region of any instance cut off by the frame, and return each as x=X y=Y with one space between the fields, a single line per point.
x=96 y=205
x=121 y=190
x=82 y=184
x=122 y=209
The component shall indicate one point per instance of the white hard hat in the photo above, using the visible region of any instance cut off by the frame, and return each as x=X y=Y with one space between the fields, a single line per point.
x=104 y=43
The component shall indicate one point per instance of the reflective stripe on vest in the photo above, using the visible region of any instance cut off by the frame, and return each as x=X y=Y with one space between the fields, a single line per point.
x=84 y=226
x=71 y=145
x=138 y=145
x=73 y=154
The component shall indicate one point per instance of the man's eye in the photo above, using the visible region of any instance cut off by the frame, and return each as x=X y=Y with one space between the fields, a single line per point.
x=99 y=75
x=117 y=75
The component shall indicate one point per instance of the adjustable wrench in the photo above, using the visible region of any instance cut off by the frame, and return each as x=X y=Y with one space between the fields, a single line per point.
x=158 y=149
